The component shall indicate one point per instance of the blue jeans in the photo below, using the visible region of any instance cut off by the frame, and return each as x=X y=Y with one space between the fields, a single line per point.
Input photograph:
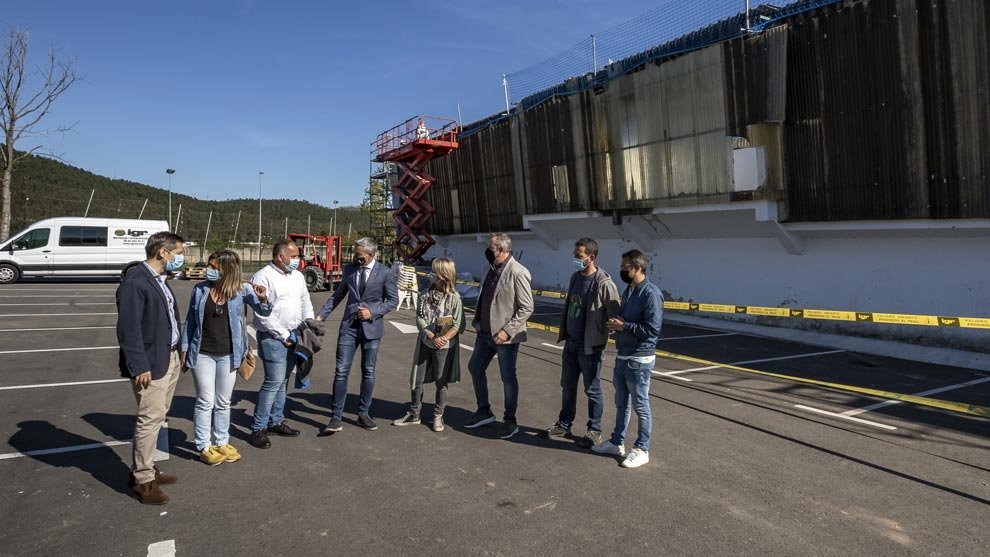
x=632 y=384
x=485 y=351
x=347 y=345
x=214 y=378
x=575 y=364
x=279 y=362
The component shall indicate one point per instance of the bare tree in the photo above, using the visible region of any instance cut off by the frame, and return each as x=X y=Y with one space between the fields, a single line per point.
x=27 y=98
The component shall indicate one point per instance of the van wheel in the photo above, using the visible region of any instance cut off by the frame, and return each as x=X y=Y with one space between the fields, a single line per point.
x=8 y=273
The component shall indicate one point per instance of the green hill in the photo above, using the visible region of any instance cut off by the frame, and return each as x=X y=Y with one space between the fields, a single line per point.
x=44 y=188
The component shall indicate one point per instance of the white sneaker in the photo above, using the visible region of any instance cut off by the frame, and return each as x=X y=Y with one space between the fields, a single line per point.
x=636 y=458
x=606 y=447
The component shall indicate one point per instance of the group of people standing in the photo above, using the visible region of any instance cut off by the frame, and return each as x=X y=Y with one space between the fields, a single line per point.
x=214 y=344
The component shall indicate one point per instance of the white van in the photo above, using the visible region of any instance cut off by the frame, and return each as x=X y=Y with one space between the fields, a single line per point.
x=76 y=247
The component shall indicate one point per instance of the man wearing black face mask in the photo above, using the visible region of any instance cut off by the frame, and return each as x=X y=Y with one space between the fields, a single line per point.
x=504 y=305
x=372 y=291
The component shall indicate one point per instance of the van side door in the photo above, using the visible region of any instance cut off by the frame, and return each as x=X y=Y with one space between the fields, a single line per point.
x=32 y=252
x=81 y=251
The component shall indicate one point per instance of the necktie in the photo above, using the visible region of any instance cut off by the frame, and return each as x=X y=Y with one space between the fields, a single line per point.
x=362 y=280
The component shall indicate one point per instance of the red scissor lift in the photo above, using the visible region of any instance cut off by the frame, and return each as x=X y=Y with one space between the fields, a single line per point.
x=411 y=146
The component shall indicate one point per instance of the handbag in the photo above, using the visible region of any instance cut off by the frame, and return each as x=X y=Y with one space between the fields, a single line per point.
x=248 y=363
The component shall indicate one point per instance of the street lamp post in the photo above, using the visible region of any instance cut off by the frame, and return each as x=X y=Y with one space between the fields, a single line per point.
x=335 y=202
x=260 y=174
x=170 y=172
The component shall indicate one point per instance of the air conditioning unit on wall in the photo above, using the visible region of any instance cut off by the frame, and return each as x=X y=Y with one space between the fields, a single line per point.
x=749 y=168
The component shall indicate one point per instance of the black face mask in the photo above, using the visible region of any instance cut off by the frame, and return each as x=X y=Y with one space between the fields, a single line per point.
x=490 y=256
x=360 y=261
x=624 y=275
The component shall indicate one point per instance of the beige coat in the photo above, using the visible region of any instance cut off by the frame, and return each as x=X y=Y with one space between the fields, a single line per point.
x=512 y=303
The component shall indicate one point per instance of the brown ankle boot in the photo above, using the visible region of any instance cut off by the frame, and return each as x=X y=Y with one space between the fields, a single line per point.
x=164 y=479
x=150 y=494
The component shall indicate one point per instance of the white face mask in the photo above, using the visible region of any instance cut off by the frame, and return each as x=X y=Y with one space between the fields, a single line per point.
x=293 y=264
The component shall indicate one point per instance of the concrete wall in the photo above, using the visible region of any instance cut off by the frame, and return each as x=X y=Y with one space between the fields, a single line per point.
x=865 y=271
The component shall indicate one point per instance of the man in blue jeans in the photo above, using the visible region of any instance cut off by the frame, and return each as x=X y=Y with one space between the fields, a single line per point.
x=372 y=292
x=592 y=300
x=288 y=294
x=504 y=305
x=637 y=330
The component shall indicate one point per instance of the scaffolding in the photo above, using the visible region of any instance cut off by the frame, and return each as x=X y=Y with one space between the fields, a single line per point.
x=379 y=204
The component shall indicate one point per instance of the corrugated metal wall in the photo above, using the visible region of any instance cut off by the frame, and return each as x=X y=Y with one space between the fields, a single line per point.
x=869 y=109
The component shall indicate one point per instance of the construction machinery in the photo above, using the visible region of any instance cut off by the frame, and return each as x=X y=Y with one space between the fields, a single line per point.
x=410 y=147
x=321 y=260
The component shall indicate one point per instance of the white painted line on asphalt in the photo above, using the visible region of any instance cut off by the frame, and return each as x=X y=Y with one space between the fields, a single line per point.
x=66 y=304
x=884 y=404
x=60 y=450
x=698 y=336
x=843 y=417
x=468 y=348
x=552 y=345
x=58 y=349
x=51 y=314
x=672 y=375
x=56 y=329
x=71 y=384
x=114 y=289
x=162 y=549
x=405 y=328
x=61 y=296
x=744 y=362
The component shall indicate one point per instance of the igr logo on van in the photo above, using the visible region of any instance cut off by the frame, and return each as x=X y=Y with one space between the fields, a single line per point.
x=132 y=233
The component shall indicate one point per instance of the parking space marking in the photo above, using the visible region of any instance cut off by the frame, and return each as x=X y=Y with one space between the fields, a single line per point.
x=58 y=349
x=60 y=450
x=61 y=296
x=672 y=375
x=70 y=384
x=66 y=304
x=57 y=329
x=57 y=290
x=843 y=417
x=552 y=345
x=51 y=314
x=922 y=393
x=699 y=336
x=162 y=549
x=745 y=362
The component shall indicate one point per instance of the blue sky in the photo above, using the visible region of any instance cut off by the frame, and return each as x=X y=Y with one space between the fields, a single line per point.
x=220 y=90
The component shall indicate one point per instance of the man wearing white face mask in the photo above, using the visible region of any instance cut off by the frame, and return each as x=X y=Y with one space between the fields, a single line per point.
x=288 y=294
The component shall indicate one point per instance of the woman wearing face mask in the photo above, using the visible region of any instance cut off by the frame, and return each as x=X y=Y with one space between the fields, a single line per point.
x=440 y=318
x=213 y=346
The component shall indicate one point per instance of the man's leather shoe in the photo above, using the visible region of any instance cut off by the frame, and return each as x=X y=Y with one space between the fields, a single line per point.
x=284 y=430
x=162 y=478
x=150 y=494
x=259 y=439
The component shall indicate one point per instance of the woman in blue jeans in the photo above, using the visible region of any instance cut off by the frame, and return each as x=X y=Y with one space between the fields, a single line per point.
x=214 y=344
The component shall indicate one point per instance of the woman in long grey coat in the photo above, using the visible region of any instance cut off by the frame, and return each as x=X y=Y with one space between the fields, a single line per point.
x=440 y=318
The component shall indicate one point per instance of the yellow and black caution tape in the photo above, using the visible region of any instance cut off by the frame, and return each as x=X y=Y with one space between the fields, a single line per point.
x=802 y=313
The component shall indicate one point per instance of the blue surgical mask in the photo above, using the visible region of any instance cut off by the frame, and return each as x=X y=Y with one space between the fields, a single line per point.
x=293 y=264
x=175 y=264
x=580 y=264
x=212 y=274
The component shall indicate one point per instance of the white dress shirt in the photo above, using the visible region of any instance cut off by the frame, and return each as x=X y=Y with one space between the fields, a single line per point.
x=289 y=297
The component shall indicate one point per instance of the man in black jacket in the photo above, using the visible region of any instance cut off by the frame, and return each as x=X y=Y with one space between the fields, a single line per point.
x=148 y=334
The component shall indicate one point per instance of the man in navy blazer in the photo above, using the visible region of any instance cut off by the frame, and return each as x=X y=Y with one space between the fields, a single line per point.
x=371 y=292
x=148 y=334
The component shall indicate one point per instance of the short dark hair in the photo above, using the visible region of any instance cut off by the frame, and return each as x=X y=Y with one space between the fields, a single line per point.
x=281 y=247
x=590 y=246
x=159 y=240
x=637 y=258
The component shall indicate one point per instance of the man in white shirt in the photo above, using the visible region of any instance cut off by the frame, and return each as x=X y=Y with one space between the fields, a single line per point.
x=276 y=343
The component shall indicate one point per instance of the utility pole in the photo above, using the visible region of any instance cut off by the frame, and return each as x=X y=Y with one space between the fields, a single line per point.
x=141 y=214
x=309 y=223
x=505 y=87
x=748 y=27
x=178 y=217
x=335 y=202
x=237 y=223
x=594 y=56
x=90 y=202
x=170 y=172
x=286 y=227
x=260 y=175
x=206 y=238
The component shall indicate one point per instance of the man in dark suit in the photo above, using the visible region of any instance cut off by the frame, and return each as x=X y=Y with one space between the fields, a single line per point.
x=148 y=334
x=371 y=292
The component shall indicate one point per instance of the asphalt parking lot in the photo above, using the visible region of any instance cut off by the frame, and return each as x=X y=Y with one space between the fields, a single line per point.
x=741 y=463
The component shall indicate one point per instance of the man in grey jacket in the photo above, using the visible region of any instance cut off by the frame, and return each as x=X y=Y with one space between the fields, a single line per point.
x=592 y=299
x=504 y=305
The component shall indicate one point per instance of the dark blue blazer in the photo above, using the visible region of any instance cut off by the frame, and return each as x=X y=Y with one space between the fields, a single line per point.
x=144 y=331
x=381 y=295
